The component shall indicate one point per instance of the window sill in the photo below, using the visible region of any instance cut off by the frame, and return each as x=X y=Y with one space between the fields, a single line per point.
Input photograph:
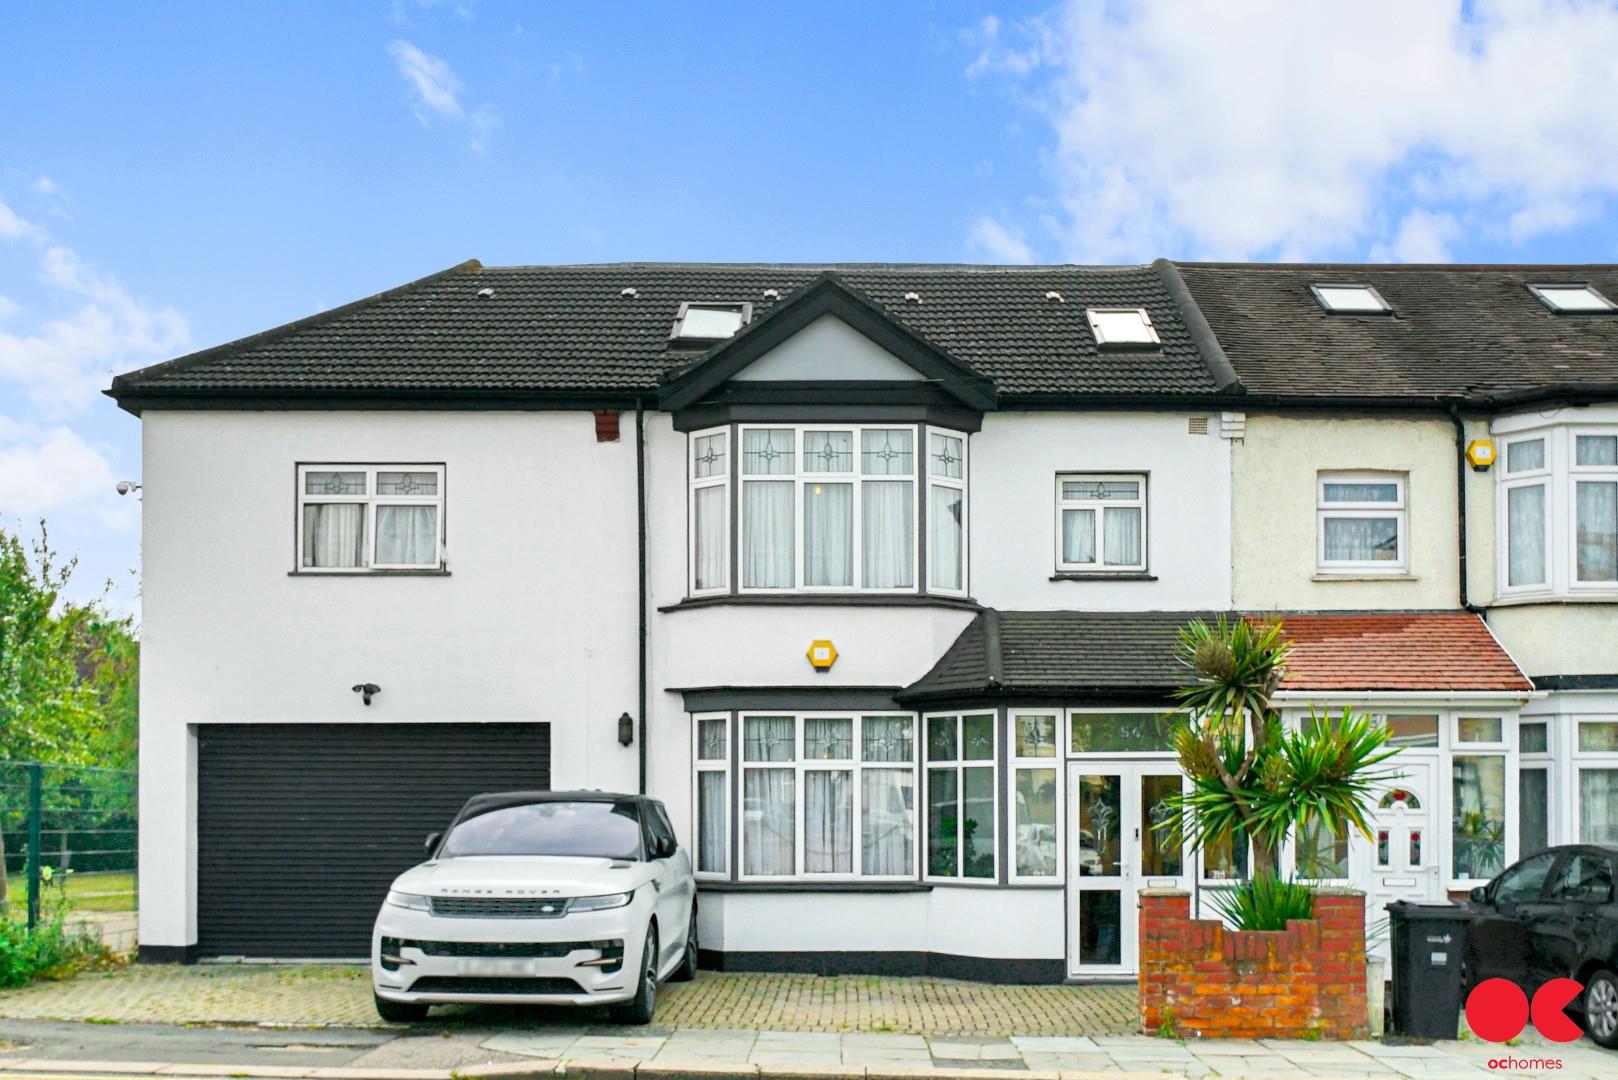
x=801 y=886
x=1555 y=599
x=1360 y=576
x=365 y=573
x=1102 y=575
x=824 y=600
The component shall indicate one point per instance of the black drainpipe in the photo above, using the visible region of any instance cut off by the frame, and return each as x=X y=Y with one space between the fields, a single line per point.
x=640 y=521
x=1461 y=466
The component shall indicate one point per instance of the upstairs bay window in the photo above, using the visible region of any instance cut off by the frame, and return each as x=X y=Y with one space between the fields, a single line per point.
x=364 y=518
x=827 y=508
x=1559 y=512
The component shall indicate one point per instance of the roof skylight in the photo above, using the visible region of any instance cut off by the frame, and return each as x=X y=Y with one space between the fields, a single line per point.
x=710 y=322
x=1350 y=299
x=1122 y=328
x=1571 y=297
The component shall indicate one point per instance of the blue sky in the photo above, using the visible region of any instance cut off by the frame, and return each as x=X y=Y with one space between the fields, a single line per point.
x=176 y=175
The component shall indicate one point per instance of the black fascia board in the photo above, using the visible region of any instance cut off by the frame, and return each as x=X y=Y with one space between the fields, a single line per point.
x=827 y=295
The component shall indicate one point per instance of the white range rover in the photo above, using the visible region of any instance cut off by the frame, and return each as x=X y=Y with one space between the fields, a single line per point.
x=553 y=898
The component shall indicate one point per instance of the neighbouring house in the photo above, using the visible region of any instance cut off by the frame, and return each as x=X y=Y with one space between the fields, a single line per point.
x=872 y=574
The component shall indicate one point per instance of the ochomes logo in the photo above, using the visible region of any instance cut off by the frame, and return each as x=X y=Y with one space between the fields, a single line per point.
x=1497 y=1010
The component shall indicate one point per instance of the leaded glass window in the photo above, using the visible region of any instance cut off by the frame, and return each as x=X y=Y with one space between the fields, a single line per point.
x=355 y=518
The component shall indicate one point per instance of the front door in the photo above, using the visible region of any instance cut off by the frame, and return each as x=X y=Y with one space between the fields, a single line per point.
x=1114 y=850
x=1401 y=862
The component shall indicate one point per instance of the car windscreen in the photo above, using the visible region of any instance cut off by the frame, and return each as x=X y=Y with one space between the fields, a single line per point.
x=608 y=830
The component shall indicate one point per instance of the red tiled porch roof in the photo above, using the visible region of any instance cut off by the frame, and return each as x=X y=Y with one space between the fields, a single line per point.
x=1450 y=650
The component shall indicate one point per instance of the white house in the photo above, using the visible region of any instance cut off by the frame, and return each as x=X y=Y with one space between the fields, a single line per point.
x=871 y=573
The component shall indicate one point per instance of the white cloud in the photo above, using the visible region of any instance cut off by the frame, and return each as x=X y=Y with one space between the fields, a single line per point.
x=437 y=92
x=8 y=307
x=64 y=361
x=1000 y=242
x=44 y=185
x=1267 y=128
x=13 y=227
x=1423 y=237
x=46 y=470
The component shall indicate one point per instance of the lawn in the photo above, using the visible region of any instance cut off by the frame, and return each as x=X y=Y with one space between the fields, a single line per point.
x=105 y=890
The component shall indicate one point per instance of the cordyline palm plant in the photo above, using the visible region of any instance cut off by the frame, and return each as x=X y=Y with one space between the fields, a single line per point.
x=1249 y=776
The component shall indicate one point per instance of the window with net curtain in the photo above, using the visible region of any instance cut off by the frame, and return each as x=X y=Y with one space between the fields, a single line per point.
x=845 y=785
x=1361 y=519
x=1595 y=483
x=358 y=518
x=1101 y=522
x=1597 y=763
x=828 y=508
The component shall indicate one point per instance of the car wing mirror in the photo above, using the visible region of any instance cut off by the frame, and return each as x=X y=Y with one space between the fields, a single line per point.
x=666 y=848
x=1479 y=894
x=431 y=843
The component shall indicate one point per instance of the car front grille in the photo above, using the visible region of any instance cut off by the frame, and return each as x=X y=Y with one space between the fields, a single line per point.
x=499 y=907
x=451 y=984
x=519 y=949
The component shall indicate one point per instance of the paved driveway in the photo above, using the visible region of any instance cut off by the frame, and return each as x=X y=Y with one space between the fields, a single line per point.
x=323 y=995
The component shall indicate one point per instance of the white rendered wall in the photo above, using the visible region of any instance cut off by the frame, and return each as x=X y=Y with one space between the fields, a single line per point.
x=536 y=621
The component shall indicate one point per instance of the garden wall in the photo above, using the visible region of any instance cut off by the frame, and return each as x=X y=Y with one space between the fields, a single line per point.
x=1198 y=978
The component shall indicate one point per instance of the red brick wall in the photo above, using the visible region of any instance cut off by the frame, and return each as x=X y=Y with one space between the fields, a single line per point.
x=1199 y=979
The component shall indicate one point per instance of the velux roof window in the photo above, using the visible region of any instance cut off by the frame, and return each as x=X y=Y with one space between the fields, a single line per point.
x=1122 y=328
x=1571 y=297
x=710 y=322
x=1350 y=299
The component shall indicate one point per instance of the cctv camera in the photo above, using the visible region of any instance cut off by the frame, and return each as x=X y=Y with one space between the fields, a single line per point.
x=125 y=487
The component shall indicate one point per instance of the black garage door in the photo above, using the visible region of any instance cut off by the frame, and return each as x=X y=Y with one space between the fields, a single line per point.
x=301 y=827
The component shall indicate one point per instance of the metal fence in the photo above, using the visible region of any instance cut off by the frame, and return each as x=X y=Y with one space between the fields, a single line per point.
x=69 y=834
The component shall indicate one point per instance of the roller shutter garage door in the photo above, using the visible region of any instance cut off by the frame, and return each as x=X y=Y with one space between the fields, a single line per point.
x=302 y=827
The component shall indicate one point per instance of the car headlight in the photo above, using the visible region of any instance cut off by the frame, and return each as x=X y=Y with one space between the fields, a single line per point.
x=408 y=900
x=599 y=903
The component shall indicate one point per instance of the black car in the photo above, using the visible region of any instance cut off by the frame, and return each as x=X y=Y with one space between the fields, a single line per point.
x=1552 y=915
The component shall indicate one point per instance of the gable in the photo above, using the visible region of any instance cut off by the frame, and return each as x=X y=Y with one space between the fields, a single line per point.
x=828 y=350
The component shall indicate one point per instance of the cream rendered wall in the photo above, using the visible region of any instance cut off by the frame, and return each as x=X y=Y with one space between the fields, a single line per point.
x=1274 y=475
x=536 y=621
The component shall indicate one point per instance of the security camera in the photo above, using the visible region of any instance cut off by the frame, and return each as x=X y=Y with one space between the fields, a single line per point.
x=126 y=486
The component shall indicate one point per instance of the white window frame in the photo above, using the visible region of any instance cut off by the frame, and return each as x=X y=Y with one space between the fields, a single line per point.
x=1397 y=511
x=1543 y=761
x=802 y=478
x=924 y=807
x=1056 y=764
x=699 y=766
x=1542 y=289
x=854 y=766
x=1098 y=506
x=738 y=307
x=370 y=500
x=695 y=484
x=1577 y=474
x=932 y=480
x=1582 y=760
x=1321 y=288
x=1542 y=478
x=1096 y=318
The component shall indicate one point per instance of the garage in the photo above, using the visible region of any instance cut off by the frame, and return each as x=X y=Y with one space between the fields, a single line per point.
x=301 y=827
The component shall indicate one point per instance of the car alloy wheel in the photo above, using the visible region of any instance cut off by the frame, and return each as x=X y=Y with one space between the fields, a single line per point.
x=1601 y=1008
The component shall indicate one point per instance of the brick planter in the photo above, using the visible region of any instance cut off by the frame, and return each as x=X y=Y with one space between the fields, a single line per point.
x=1199 y=979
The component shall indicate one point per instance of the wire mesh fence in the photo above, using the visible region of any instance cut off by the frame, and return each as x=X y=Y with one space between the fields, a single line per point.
x=69 y=837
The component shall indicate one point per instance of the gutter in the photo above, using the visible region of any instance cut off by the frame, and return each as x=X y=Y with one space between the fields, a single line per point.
x=640 y=554
x=1460 y=509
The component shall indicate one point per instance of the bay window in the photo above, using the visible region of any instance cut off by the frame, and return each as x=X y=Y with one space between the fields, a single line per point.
x=363 y=518
x=1533 y=787
x=1035 y=796
x=828 y=508
x=1478 y=798
x=1361 y=523
x=1558 y=524
x=961 y=819
x=1100 y=523
x=826 y=796
x=712 y=750
x=1595 y=765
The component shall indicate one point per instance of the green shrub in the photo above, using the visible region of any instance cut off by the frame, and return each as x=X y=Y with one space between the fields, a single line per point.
x=1265 y=903
x=49 y=951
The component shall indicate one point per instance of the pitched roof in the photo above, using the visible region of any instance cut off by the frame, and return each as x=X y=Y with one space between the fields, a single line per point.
x=1455 y=332
x=1450 y=650
x=1132 y=654
x=555 y=330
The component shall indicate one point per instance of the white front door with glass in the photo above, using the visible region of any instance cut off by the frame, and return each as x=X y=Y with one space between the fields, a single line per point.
x=1114 y=850
x=1404 y=839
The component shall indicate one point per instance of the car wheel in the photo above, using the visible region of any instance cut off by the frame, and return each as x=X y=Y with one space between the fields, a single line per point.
x=399 y=1012
x=640 y=1008
x=1601 y=1008
x=688 y=960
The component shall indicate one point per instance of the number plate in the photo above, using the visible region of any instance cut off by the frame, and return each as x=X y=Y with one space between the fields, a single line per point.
x=498 y=966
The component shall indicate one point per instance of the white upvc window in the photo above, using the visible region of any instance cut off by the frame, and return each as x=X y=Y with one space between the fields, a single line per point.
x=710 y=750
x=709 y=511
x=827 y=796
x=1595 y=780
x=1558 y=516
x=946 y=511
x=364 y=518
x=1035 y=795
x=962 y=820
x=1536 y=769
x=1361 y=523
x=1101 y=522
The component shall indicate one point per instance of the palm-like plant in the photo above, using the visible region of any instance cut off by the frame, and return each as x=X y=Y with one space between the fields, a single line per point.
x=1249 y=776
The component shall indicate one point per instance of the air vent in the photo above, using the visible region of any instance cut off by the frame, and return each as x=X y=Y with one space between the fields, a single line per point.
x=772 y=294
x=486 y=294
x=912 y=298
x=629 y=293
x=1054 y=297
x=1196 y=425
